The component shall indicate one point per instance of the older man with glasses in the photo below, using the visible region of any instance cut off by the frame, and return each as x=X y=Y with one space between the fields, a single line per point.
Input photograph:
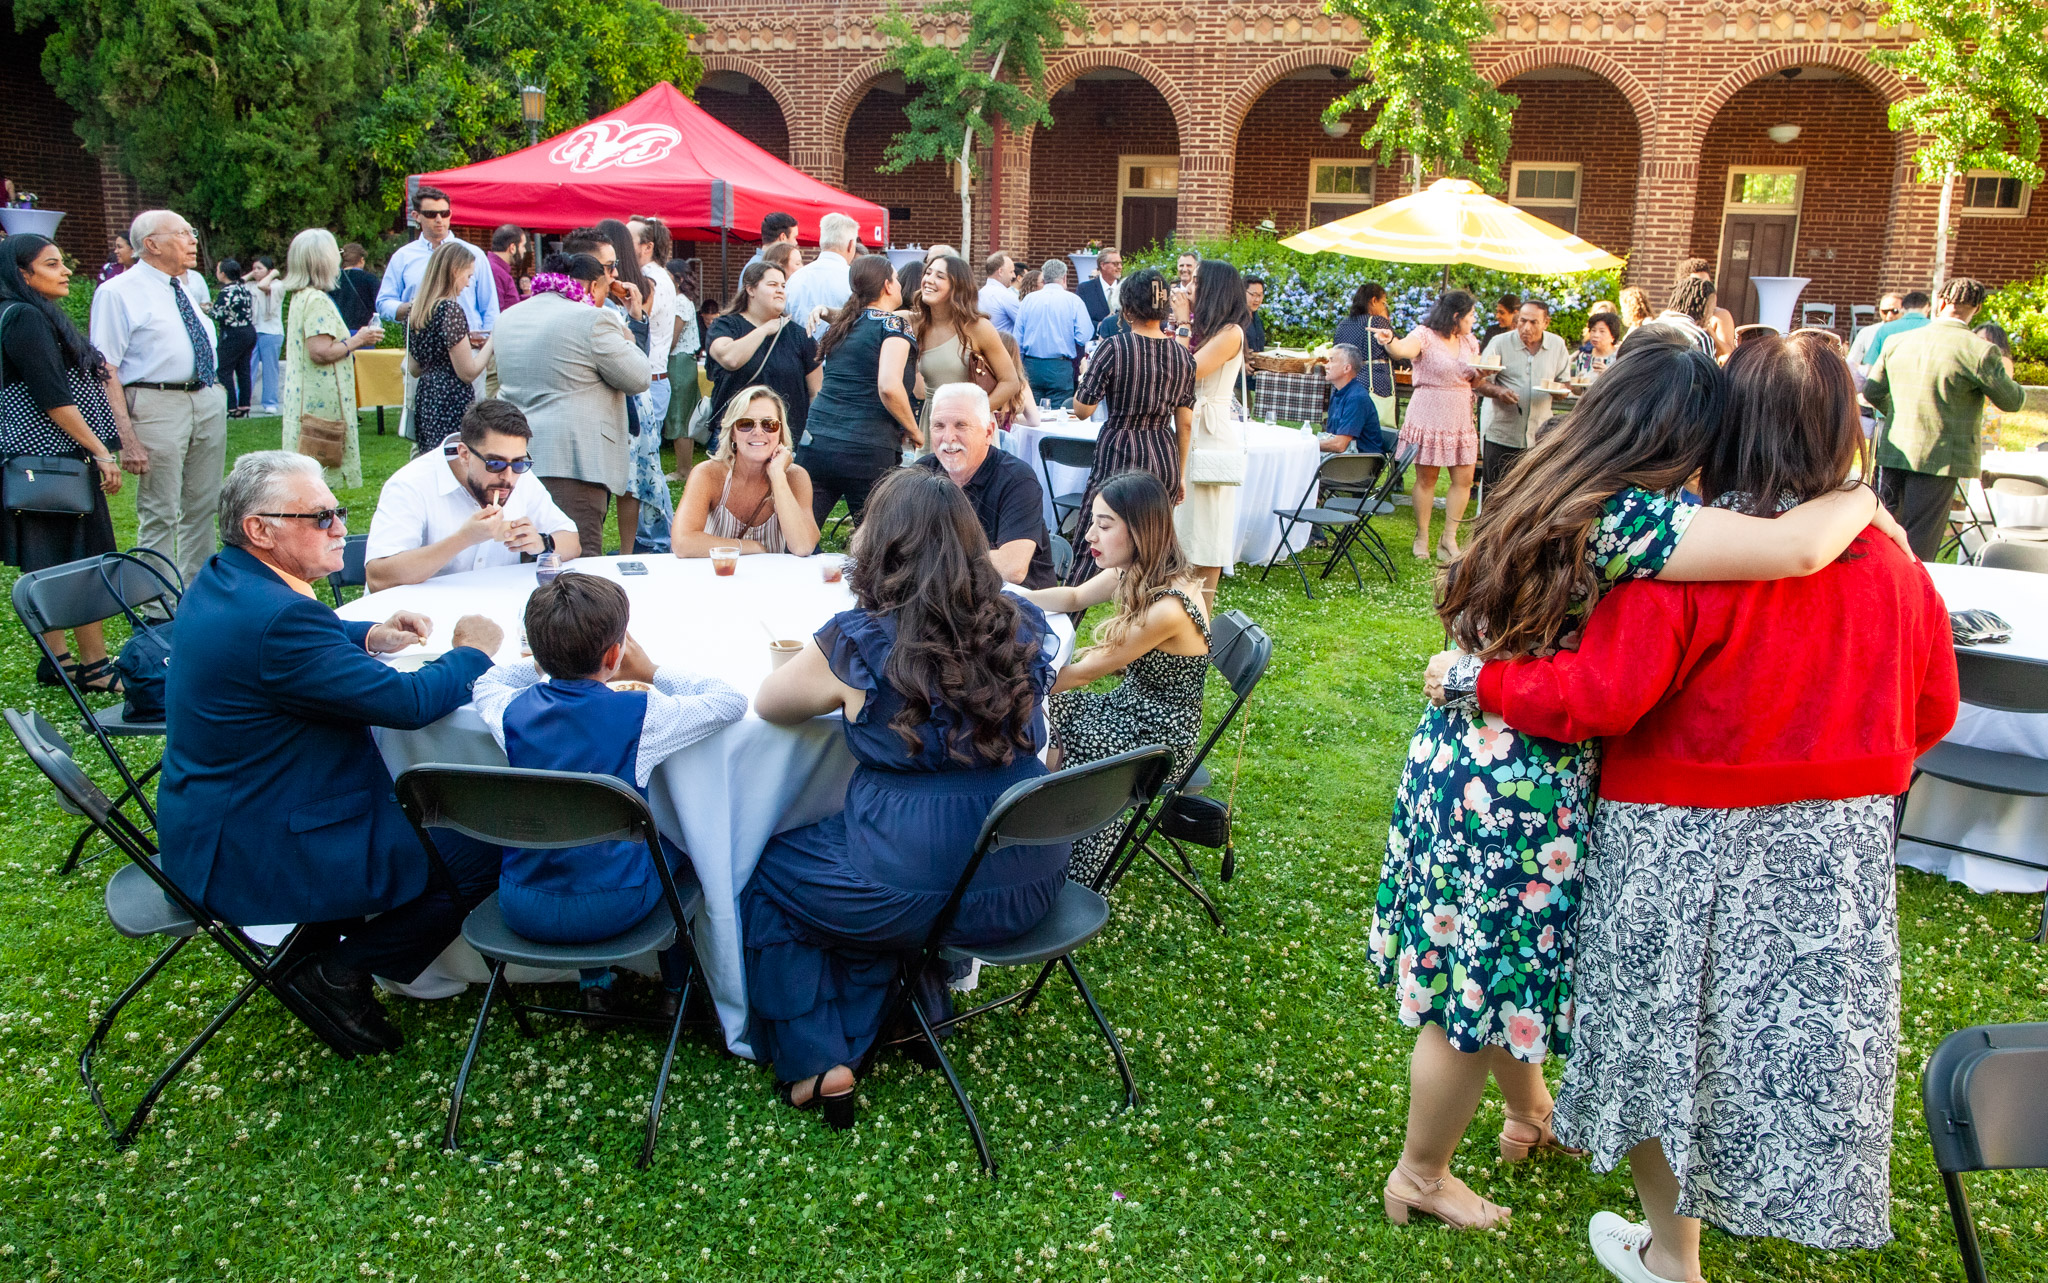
x=476 y=504
x=275 y=805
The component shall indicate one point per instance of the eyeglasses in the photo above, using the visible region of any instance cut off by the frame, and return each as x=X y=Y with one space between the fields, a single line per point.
x=324 y=518
x=1888 y=311
x=519 y=466
x=769 y=427
x=437 y=213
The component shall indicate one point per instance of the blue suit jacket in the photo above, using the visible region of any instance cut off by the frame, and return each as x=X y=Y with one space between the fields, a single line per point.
x=275 y=805
x=1094 y=297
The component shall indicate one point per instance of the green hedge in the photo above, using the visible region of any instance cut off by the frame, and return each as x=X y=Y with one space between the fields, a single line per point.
x=1307 y=294
x=2022 y=308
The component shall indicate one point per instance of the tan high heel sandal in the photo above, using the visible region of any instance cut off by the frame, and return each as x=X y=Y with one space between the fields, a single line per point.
x=1514 y=1149
x=1434 y=1198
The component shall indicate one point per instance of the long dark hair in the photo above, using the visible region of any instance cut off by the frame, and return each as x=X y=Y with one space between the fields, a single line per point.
x=628 y=251
x=869 y=276
x=1524 y=583
x=1219 y=301
x=1157 y=562
x=16 y=255
x=921 y=556
x=683 y=271
x=962 y=307
x=1362 y=297
x=1143 y=296
x=1448 y=310
x=1791 y=429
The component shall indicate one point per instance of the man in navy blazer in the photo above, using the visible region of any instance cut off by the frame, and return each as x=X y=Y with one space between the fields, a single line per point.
x=1098 y=292
x=275 y=805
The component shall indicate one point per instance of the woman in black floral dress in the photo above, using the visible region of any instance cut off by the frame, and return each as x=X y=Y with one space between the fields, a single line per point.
x=438 y=350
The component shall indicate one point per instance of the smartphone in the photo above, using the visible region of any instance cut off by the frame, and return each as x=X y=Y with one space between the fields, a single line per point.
x=632 y=567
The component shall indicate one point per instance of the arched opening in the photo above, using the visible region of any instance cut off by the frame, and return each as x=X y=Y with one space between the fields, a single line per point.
x=743 y=105
x=1573 y=155
x=923 y=202
x=1108 y=168
x=1795 y=179
x=1292 y=169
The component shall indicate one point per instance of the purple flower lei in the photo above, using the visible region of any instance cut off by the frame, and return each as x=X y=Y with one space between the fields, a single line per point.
x=555 y=283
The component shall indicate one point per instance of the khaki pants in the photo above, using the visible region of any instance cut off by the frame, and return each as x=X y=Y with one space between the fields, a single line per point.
x=186 y=434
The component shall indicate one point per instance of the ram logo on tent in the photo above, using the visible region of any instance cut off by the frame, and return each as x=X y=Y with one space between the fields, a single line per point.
x=608 y=144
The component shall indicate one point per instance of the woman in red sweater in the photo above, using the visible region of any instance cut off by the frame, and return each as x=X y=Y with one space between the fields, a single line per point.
x=1738 y=962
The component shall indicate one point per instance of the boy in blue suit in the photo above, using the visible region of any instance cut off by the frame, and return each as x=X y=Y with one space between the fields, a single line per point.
x=575 y=721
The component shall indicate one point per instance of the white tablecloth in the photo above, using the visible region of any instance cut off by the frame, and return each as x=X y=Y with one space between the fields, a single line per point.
x=2016 y=826
x=723 y=797
x=2013 y=510
x=1279 y=464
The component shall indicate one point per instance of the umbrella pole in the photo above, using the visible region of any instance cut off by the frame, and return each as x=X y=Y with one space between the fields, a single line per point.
x=1447 y=278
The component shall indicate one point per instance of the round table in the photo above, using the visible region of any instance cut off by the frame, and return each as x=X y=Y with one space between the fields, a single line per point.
x=1279 y=464
x=723 y=797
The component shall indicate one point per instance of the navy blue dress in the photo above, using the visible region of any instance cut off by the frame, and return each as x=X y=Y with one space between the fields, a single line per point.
x=831 y=905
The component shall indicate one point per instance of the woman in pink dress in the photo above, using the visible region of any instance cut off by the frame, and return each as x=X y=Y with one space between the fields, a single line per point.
x=1439 y=420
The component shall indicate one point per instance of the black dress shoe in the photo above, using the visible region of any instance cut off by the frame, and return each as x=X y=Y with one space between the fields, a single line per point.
x=346 y=1004
x=597 y=1001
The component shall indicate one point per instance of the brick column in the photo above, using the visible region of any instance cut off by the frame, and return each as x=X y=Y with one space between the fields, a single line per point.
x=811 y=151
x=1667 y=181
x=1911 y=228
x=1013 y=234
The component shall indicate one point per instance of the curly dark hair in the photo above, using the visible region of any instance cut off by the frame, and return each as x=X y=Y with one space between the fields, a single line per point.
x=921 y=556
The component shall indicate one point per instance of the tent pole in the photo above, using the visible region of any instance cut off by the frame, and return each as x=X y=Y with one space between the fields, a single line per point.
x=724 y=276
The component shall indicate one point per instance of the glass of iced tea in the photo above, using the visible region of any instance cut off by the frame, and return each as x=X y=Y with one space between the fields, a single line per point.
x=832 y=570
x=724 y=560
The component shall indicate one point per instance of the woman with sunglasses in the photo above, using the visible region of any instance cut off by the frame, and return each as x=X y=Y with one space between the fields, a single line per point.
x=748 y=494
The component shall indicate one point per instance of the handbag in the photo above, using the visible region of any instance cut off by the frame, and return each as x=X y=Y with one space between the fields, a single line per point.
x=52 y=483
x=144 y=663
x=326 y=440
x=979 y=372
x=1204 y=821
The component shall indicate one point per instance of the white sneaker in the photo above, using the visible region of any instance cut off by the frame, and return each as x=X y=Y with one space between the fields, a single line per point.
x=1618 y=1244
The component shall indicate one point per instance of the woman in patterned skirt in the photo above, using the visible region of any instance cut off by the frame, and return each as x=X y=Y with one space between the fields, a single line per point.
x=1441 y=351
x=1474 y=915
x=1147 y=378
x=1158 y=639
x=1738 y=968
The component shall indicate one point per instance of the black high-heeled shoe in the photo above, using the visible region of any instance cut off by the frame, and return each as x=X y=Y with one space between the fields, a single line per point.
x=838 y=1110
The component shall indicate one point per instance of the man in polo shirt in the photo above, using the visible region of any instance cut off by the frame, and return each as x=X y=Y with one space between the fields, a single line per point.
x=1005 y=496
x=1517 y=407
x=1353 y=421
x=475 y=505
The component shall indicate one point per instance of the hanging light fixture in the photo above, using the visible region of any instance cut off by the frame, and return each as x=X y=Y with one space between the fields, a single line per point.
x=1782 y=133
x=1336 y=128
x=533 y=105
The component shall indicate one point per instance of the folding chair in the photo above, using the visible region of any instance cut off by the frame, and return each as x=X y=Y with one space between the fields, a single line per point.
x=550 y=811
x=1240 y=650
x=2011 y=554
x=1824 y=311
x=352 y=573
x=1062 y=557
x=1068 y=452
x=1985 y=1110
x=1378 y=501
x=1353 y=472
x=2019 y=487
x=1060 y=807
x=143 y=902
x=89 y=591
x=2012 y=685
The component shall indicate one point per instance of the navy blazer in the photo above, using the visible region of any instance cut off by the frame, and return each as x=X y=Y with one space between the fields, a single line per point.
x=275 y=805
x=1095 y=298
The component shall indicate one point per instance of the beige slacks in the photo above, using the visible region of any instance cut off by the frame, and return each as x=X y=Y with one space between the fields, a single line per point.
x=186 y=434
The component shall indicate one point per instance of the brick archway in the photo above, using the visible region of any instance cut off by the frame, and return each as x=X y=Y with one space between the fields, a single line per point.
x=840 y=107
x=1523 y=61
x=1884 y=84
x=1272 y=73
x=1068 y=70
x=760 y=75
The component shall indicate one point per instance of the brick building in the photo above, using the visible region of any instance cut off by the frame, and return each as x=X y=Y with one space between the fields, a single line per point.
x=1748 y=132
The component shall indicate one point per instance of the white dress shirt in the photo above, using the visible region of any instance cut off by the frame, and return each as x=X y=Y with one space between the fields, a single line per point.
x=136 y=326
x=826 y=281
x=681 y=709
x=408 y=264
x=424 y=503
x=661 y=318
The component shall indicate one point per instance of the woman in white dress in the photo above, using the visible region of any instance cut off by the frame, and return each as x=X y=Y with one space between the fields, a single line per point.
x=1206 y=521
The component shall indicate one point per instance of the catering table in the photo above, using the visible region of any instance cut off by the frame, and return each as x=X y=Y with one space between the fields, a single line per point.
x=723 y=796
x=2016 y=826
x=2012 y=510
x=1279 y=464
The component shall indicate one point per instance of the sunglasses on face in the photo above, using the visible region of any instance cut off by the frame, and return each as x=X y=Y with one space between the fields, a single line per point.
x=767 y=427
x=611 y=269
x=519 y=466
x=1888 y=311
x=437 y=213
x=324 y=518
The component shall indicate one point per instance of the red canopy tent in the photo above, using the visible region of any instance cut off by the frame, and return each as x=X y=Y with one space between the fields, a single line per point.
x=659 y=154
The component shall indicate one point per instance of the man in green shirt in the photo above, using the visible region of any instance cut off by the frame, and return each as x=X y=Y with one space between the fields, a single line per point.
x=1930 y=384
x=1916 y=304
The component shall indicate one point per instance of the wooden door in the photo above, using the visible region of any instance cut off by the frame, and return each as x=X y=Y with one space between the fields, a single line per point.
x=1147 y=221
x=1752 y=245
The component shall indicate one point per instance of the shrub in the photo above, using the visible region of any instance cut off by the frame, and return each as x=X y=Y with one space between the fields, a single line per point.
x=1307 y=294
x=2022 y=308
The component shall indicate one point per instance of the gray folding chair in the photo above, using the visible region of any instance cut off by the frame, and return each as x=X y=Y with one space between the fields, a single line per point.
x=2009 y=684
x=352 y=573
x=2011 y=554
x=1059 y=807
x=552 y=810
x=1986 y=1110
x=1351 y=474
x=2018 y=487
x=1069 y=452
x=1062 y=557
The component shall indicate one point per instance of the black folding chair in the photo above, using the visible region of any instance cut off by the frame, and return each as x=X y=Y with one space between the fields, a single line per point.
x=1069 y=452
x=1060 y=807
x=1986 y=1111
x=89 y=591
x=1343 y=472
x=352 y=573
x=1377 y=501
x=142 y=902
x=1240 y=650
x=2012 y=685
x=552 y=810
x=1062 y=557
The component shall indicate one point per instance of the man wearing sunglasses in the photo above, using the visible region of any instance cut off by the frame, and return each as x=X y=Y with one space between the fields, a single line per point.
x=407 y=267
x=474 y=505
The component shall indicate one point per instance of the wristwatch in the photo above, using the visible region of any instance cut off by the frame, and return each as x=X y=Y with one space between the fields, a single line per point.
x=547 y=543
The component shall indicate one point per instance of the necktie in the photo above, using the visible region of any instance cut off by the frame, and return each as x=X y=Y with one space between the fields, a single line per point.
x=203 y=368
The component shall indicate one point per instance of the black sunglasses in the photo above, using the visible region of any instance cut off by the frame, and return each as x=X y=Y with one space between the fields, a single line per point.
x=437 y=213
x=519 y=466
x=323 y=518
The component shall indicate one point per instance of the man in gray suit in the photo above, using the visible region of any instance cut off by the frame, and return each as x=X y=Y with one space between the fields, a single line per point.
x=570 y=366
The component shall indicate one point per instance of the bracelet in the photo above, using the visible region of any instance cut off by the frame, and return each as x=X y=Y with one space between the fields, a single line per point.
x=105 y=458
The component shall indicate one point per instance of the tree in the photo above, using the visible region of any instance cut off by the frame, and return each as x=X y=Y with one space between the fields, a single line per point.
x=241 y=110
x=1417 y=70
x=954 y=95
x=453 y=97
x=1985 y=66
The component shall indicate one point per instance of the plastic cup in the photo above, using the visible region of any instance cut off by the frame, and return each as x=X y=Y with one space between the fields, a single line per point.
x=781 y=652
x=724 y=560
x=832 y=571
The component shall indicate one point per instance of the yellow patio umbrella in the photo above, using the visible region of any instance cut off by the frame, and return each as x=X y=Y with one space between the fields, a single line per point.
x=1453 y=222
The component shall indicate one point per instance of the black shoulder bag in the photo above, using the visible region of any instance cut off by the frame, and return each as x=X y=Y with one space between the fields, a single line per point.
x=40 y=482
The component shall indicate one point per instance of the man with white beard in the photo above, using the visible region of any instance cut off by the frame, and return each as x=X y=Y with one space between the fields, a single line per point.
x=1005 y=496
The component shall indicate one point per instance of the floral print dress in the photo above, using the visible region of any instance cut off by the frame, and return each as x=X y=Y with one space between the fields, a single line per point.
x=1473 y=922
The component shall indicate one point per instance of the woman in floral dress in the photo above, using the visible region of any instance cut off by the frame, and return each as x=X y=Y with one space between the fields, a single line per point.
x=1473 y=919
x=319 y=365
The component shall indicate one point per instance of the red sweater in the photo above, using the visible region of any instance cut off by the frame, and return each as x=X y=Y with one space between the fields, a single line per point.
x=1750 y=694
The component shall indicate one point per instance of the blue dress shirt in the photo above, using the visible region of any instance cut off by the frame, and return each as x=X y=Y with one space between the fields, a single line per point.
x=402 y=281
x=1053 y=324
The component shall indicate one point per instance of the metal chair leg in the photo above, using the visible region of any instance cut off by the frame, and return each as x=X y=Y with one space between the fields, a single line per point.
x=476 y=1040
x=1123 y=1064
x=106 y=1025
x=1031 y=994
x=163 y=1080
x=1215 y=915
x=668 y=1060
x=128 y=791
x=988 y=1162
x=1966 y=1228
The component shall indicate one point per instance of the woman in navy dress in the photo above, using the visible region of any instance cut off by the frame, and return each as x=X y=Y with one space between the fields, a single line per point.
x=940 y=676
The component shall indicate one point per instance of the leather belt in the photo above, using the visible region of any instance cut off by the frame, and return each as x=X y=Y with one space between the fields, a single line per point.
x=189 y=385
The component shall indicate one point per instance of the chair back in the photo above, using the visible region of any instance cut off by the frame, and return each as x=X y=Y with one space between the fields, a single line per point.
x=1069 y=452
x=2015 y=554
x=2012 y=484
x=1982 y=1096
x=1240 y=650
x=51 y=753
x=1354 y=473
x=352 y=573
x=92 y=589
x=2007 y=683
x=1062 y=556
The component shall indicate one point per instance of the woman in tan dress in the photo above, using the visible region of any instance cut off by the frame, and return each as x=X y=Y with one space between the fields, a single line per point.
x=948 y=323
x=748 y=494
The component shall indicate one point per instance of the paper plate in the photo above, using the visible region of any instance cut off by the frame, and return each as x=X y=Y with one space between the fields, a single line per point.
x=413 y=661
x=624 y=685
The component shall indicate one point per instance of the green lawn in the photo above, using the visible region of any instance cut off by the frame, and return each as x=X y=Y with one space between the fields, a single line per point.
x=1272 y=1067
